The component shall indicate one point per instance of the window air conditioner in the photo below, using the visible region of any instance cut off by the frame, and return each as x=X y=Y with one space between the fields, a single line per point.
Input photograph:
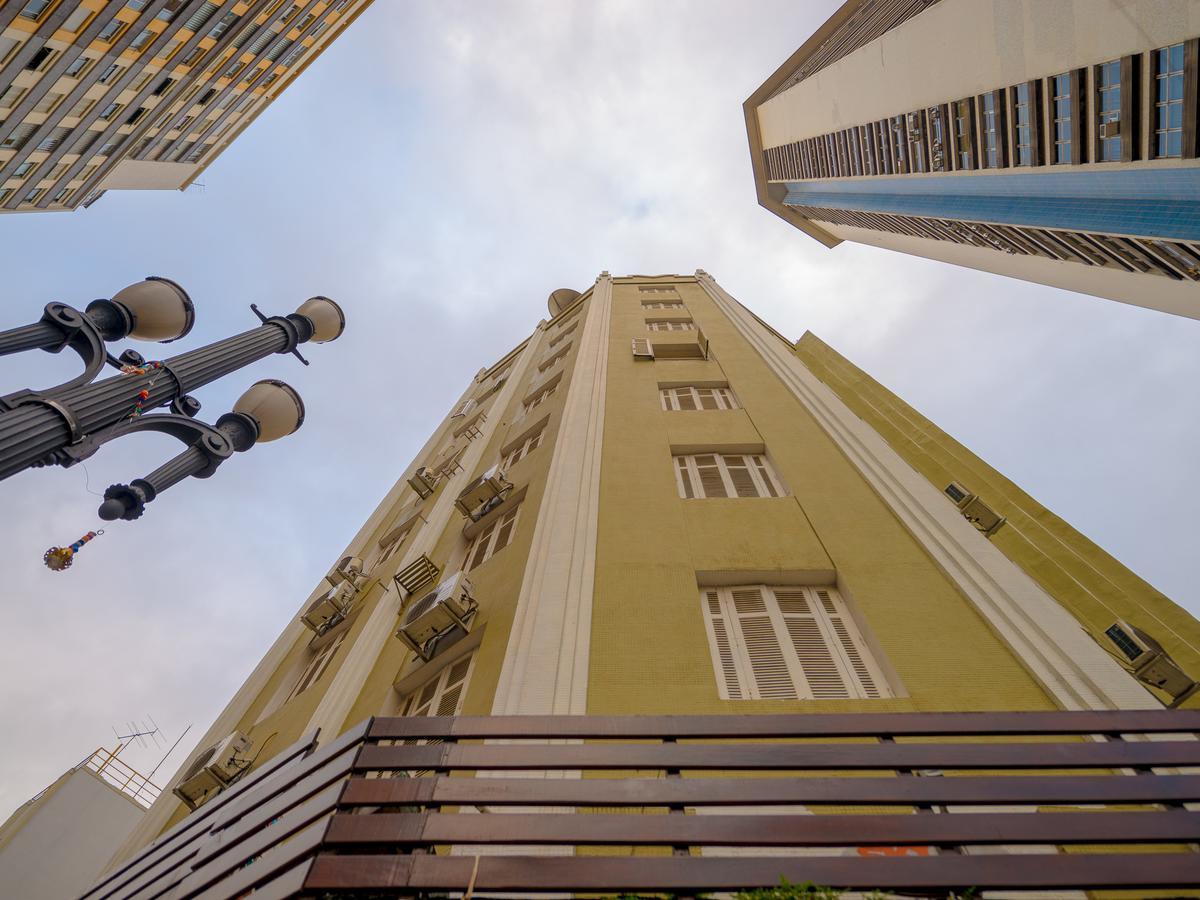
x=446 y=607
x=642 y=349
x=423 y=482
x=347 y=571
x=488 y=487
x=975 y=510
x=214 y=770
x=1110 y=129
x=1149 y=662
x=330 y=608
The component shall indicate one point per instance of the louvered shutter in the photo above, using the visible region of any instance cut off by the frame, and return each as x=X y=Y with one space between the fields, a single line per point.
x=811 y=644
x=768 y=666
x=455 y=679
x=709 y=472
x=851 y=642
x=504 y=532
x=740 y=477
x=479 y=550
x=728 y=684
x=200 y=16
x=765 y=476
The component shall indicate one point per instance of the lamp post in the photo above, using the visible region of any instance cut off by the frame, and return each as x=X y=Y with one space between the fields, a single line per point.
x=68 y=423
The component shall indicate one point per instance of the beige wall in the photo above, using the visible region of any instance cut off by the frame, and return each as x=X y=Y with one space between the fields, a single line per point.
x=960 y=48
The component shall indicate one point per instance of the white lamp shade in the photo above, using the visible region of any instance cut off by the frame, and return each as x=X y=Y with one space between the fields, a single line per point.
x=161 y=309
x=275 y=406
x=326 y=316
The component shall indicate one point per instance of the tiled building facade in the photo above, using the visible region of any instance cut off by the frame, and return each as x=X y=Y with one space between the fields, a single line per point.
x=636 y=520
x=144 y=94
x=1050 y=140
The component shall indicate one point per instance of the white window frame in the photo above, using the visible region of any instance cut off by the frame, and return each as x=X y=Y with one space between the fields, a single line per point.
x=670 y=325
x=523 y=449
x=691 y=469
x=662 y=304
x=657 y=289
x=788 y=643
x=676 y=398
x=423 y=701
x=488 y=542
x=537 y=400
x=316 y=667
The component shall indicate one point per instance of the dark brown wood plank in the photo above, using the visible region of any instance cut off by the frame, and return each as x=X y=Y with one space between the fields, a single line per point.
x=1191 y=98
x=614 y=874
x=1017 y=789
x=278 y=860
x=1079 y=755
x=824 y=725
x=424 y=829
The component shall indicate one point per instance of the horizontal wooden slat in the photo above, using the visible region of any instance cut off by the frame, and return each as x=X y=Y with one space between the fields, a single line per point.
x=820 y=725
x=277 y=861
x=615 y=874
x=422 y=829
x=781 y=756
x=195 y=825
x=1015 y=789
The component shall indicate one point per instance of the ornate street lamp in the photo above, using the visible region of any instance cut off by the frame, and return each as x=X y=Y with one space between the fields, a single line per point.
x=68 y=423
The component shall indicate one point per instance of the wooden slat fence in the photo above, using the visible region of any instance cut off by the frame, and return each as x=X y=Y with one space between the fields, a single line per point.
x=530 y=804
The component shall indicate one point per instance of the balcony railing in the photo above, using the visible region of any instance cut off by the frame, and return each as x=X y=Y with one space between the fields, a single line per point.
x=385 y=808
x=106 y=765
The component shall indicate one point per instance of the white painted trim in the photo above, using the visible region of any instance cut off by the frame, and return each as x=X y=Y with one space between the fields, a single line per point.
x=1051 y=644
x=545 y=668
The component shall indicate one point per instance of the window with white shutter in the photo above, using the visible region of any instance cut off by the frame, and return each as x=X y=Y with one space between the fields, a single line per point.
x=523 y=449
x=316 y=666
x=492 y=539
x=443 y=694
x=707 y=475
x=670 y=325
x=689 y=397
x=538 y=399
x=788 y=643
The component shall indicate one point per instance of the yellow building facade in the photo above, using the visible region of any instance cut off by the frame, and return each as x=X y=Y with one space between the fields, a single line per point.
x=660 y=505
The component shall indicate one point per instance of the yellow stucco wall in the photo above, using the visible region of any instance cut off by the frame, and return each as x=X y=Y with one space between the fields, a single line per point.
x=1096 y=588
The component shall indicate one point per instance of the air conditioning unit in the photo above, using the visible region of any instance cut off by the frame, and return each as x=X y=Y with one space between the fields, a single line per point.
x=213 y=770
x=330 y=608
x=446 y=607
x=975 y=510
x=1149 y=662
x=642 y=349
x=488 y=487
x=423 y=482
x=1110 y=129
x=347 y=571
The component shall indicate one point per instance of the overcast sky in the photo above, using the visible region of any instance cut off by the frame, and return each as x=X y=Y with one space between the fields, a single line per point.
x=438 y=171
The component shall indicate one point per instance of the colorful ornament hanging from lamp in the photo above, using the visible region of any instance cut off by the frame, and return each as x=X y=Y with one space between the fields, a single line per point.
x=59 y=558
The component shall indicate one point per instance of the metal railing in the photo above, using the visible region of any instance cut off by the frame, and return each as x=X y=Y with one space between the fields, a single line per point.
x=125 y=778
x=894 y=801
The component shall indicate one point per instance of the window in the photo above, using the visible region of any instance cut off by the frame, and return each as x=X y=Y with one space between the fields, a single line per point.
x=206 y=96
x=552 y=360
x=110 y=31
x=34 y=9
x=162 y=87
x=19 y=135
x=558 y=337
x=492 y=539
x=523 y=449
x=993 y=130
x=540 y=398
x=52 y=140
x=937 y=139
x=670 y=325
x=32 y=196
x=109 y=74
x=916 y=142
x=316 y=667
x=442 y=695
x=60 y=196
x=76 y=20
x=1061 y=93
x=788 y=643
x=40 y=59
x=222 y=26
x=23 y=169
x=48 y=102
x=135 y=115
x=141 y=40
x=707 y=475
x=899 y=144
x=962 y=113
x=1168 y=101
x=657 y=289
x=7 y=45
x=1024 y=116
x=193 y=55
x=1108 y=111
x=78 y=66
x=11 y=96
x=684 y=398
x=109 y=111
x=197 y=19
x=662 y=304
x=394 y=540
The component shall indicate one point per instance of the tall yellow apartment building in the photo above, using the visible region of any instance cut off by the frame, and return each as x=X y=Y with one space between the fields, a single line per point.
x=656 y=504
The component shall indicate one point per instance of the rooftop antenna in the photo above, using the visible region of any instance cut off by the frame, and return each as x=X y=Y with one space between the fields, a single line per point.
x=140 y=731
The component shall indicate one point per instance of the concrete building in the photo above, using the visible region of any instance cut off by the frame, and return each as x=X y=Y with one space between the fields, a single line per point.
x=99 y=95
x=660 y=505
x=1049 y=140
x=56 y=844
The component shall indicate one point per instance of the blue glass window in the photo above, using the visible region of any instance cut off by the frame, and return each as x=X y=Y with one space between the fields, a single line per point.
x=1108 y=112
x=1061 y=85
x=1168 y=101
x=993 y=152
